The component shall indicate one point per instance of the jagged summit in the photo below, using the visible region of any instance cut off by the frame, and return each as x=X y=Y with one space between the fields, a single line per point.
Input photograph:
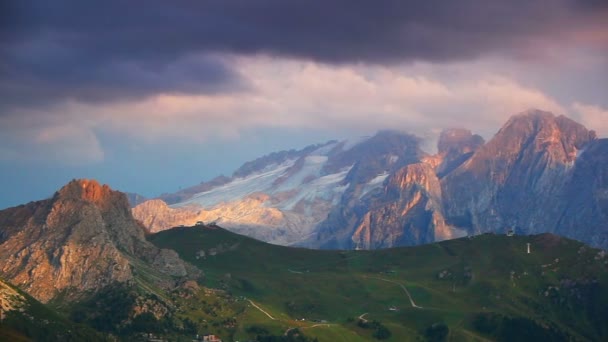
x=517 y=179
x=90 y=190
x=548 y=126
x=86 y=189
x=82 y=239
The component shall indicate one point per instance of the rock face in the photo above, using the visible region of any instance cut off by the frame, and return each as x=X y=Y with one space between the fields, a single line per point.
x=10 y=299
x=408 y=212
x=82 y=239
x=517 y=178
x=585 y=197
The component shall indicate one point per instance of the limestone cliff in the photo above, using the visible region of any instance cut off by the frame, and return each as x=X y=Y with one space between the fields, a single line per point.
x=409 y=211
x=82 y=239
x=516 y=179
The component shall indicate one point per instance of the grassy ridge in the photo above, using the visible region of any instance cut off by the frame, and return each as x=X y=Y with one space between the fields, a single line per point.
x=462 y=284
x=34 y=321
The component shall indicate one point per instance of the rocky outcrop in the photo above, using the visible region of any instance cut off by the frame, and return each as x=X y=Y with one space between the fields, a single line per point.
x=10 y=299
x=409 y=212
x=82 y=239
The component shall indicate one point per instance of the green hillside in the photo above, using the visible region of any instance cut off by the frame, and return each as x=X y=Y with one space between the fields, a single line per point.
x=29 y=320
x=486 y=287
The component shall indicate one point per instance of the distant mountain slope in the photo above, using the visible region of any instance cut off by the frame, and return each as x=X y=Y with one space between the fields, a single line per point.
x=135 y=199
x=539 y=173
x=518 y=179
x=405 y=209
x=585 y=216
x=81 y=240
x=282 y=197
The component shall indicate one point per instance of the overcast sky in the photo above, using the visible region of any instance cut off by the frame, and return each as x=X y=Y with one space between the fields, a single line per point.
x=150 y=96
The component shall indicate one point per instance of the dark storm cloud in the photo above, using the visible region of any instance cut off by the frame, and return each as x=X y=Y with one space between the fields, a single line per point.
x=121 y=49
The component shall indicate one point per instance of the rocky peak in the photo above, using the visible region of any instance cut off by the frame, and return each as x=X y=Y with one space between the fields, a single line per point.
x=458 y=140
x=515 y=179
x=82 y=239
x=85 y=189
x=455 y=146
x=90 y=191
x=534 y=138
x=541 y=131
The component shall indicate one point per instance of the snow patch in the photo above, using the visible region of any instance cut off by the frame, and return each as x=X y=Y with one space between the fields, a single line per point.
x=311 y=168
x=239 y=188
x=326 y=187
x=375 y=183
x=305 y=184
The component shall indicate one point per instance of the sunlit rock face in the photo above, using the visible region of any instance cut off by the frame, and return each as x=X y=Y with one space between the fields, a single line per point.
x=82 y=239
x=156 y=215
x=10 y=299
x=519 y=177
x=408 y=212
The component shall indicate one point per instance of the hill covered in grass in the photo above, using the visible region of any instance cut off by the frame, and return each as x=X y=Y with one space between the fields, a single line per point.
x=23 y=318
x=485 y=287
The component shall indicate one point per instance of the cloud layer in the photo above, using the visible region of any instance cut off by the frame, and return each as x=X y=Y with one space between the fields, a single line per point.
x=195 y=70
x=295 y=95
x=69 y=49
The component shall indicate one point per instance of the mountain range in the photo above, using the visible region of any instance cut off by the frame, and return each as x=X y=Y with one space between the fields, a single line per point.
x=79 y=266
x=539 y=173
